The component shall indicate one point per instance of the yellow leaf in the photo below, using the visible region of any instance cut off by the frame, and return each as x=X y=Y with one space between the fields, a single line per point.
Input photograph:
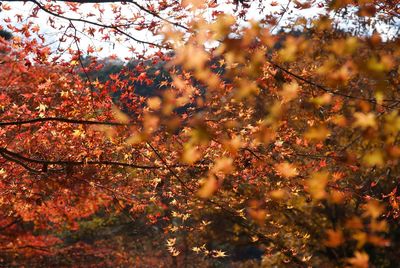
x=209 y=187
x=364 y=120
x=120 y=116
x=361 y=238
x=374 y=158
x=134 y=139
x=150 y=123
x=379 y=96
x=78 y=133
x=339 y=120
x=316 y=184
x=317 y=133
x=289 y=91
x=360 y=260
x=379 y=226
x=335 y=238
x=373 y=209
x=42 y=107
x=190 y=154
x=354 y=223
x=322 y=100
x=154 y=103
x=257 y=212
x=286 y=170
x=278 y=195
x=337 y=197
x=219 y=254
x=223 y=165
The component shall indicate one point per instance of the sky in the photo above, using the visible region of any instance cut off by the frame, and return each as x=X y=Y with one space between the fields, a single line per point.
x=121 y=47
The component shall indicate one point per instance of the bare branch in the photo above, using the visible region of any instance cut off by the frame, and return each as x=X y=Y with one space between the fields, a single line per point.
x=325 y=89
x=18 y=158
x=63 y=120
x=115 y=28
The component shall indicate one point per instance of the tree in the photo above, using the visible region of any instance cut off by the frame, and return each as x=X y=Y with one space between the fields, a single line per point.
x=287 y=146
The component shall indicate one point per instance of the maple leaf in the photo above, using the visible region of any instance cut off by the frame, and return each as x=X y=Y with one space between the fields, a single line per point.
x=335 y=238
x=373 y=209
x=209 y=187
x=223 y=165
x=219 y=254
x=175 y=253
x=196 y=249
x=171 y=242
x=374 y=158
x=365 y=120
x=120 y=116
x=286 y=170
x=42 y=107
x=316 y=184
x=360 y=260
x=289 y=91
x=154 y=103
x=317 y=133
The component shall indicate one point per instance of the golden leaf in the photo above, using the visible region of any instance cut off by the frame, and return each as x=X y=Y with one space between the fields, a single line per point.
x=361 y=238
x=373 y=209
x=209 y=187
x=219 y=254
x=154 y=103
x=335 y=238
x=360 y=260
x=190 y=154
x=286 y=170
x=150 y=123
x=316 y=184
x=322 y=100
x=119 y=115
x=223 y=165
x=374 y=158
x=289 y=91
x=278 y=195
x=364 y=120
x=317 y=133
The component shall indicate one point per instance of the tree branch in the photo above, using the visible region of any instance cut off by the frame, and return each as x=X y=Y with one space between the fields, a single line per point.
x=158 y=16
x=10 y=224
x=61 y=119
x=94 y=23
x=18 y=158
x=22 y=164
x=302 y=79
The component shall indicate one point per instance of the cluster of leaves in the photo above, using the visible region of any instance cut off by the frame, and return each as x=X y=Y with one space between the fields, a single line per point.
x=284 y=149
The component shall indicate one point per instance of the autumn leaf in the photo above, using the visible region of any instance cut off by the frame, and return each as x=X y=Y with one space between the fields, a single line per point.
x=286 y=170
x=289 y=91
x=335 y=238
x=257 y=212
x=365 y=120
x=316 y=184
x=374 y=158
x=154 y=103
x=223 y=165
x=209 y=187
x=360 y=260
x=373 y=209
x=190 y=154
x=120 y=116
x=263 y=110
x=278 y=194
x=219 y=254
x=319 y=133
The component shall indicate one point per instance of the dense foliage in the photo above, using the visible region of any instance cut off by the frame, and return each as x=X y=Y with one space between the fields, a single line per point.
x=222 y=143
